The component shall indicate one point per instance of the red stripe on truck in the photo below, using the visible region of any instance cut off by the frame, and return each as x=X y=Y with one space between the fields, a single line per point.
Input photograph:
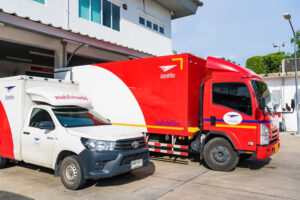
x=6 y=141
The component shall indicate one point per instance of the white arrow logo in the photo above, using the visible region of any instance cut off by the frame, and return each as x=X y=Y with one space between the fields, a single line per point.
x=167 y=68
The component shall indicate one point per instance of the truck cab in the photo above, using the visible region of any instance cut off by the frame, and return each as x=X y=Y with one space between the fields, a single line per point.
x=238 y=106
x=49 y=123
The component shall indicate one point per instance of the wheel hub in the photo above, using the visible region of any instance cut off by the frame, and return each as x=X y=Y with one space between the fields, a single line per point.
x=71 y=172
x=221 y=154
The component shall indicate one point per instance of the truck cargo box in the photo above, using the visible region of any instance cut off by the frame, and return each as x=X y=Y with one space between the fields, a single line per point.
x=166 y=92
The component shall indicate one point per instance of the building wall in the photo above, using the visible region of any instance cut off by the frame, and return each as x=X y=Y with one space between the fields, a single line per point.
x=65 y=14
x=286 y=86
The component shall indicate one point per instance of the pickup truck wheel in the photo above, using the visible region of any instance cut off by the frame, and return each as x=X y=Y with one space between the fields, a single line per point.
x=71 y=173
x=219 y=155
x=3 y=162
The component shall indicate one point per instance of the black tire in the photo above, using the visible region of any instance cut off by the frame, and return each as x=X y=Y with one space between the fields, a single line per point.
x=3 y=162
x=245 y=156
x=219 y=155
x=71 y=173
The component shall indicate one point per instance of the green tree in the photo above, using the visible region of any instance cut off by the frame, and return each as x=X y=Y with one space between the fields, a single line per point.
x=298 y=44
x=273 y=61
x=266 y=64
x=256 y=64
x=297 y=39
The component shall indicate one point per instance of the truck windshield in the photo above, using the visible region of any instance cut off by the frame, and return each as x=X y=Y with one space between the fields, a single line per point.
x=262 y=91
x=79 y=117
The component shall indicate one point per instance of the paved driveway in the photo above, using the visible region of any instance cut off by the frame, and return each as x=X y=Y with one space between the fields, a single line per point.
x=275 y=178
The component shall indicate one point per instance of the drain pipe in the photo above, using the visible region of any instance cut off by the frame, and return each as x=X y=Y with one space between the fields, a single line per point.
x=69 y=60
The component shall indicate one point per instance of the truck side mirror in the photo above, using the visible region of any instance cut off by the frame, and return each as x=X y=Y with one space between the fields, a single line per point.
x=293 y=104
x=287 y=107
x=47 y=125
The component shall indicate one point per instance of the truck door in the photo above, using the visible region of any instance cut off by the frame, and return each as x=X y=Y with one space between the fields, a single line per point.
x=38 y=138
x=229 y=110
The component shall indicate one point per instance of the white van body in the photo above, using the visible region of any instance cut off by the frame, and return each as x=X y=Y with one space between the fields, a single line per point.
x=44 y=121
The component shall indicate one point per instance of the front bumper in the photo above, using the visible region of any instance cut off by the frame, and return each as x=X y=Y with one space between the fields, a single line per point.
x=107 y=164
x=264 y=152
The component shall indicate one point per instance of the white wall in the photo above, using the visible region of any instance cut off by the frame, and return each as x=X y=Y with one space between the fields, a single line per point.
x=131 y=34
x=287 y=87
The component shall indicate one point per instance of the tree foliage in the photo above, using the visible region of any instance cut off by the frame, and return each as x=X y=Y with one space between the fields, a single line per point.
x=297 y=39
x=256 y=64
x=270 y=63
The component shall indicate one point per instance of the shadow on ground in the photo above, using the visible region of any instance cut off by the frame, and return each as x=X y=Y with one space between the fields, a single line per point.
x=254 y=163
x=32 y=167
x=123 y=179
x=135 y=175
x=12 y=196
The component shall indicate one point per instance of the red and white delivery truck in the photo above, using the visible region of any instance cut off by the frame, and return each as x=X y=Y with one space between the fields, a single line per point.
x=48 y=122
x=186 y=104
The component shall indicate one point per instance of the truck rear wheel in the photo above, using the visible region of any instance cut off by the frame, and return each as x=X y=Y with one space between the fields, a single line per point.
x=219 y=155
x=3 y=162
x=71 y=173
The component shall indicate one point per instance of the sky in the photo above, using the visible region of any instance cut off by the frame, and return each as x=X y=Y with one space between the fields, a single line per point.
x=236 y=29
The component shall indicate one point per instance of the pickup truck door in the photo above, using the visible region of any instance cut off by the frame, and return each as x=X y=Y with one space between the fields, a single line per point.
x=38 y=138
x=230 y=109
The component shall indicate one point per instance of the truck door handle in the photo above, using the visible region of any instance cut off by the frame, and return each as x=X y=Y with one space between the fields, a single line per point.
x=213 y=120
x=50 y=138
x=26 y=133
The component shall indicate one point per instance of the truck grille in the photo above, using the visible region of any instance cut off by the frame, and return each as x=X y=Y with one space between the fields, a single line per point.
x=127 y=160
x=130 y=144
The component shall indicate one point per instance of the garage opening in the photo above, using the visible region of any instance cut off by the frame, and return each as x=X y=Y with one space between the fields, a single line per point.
x=18 y=59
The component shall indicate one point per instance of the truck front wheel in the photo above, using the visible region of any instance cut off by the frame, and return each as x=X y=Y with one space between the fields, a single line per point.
x=219 y=155
x=71 y=173
x=3 y=162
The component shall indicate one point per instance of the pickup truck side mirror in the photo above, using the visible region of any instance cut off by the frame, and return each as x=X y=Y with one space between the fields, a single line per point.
x=47 y=125
x=293 y=104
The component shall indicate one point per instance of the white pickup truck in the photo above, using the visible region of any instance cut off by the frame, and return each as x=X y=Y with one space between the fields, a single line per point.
x=47 y=122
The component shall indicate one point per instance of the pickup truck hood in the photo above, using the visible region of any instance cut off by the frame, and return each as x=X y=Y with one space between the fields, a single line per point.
x=106 y=132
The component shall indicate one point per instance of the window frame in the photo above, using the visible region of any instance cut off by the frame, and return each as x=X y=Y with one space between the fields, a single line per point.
x=251 y=98
x=112 y=4
x=29 y=122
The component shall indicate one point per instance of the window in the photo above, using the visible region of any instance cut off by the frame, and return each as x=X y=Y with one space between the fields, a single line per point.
x=40 y=1
x=161 y=30
x=142 y=21
x=38 y=116
x=149 y=24
x=116 y=17
x=233 y=95
x=78 y=117
x=91 y=10
x=84 y=9
x=155 y=27
x=106 y=13
x=95 y=11
x=262 y=91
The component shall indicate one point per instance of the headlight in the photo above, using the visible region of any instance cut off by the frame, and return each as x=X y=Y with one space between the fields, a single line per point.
x=98 y=145
x=264 y=134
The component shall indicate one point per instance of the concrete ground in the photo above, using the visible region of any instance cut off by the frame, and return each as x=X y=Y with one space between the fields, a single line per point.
x=275 y=178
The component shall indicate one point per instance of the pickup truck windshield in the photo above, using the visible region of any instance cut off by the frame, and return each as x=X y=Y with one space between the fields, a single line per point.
x=262 y=91
x=79 y=117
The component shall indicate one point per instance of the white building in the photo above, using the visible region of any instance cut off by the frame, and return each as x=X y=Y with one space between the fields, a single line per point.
x=37 y=36
x=283 y=90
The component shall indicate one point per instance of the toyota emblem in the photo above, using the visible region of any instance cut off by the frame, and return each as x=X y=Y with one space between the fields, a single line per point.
x=135 y=144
